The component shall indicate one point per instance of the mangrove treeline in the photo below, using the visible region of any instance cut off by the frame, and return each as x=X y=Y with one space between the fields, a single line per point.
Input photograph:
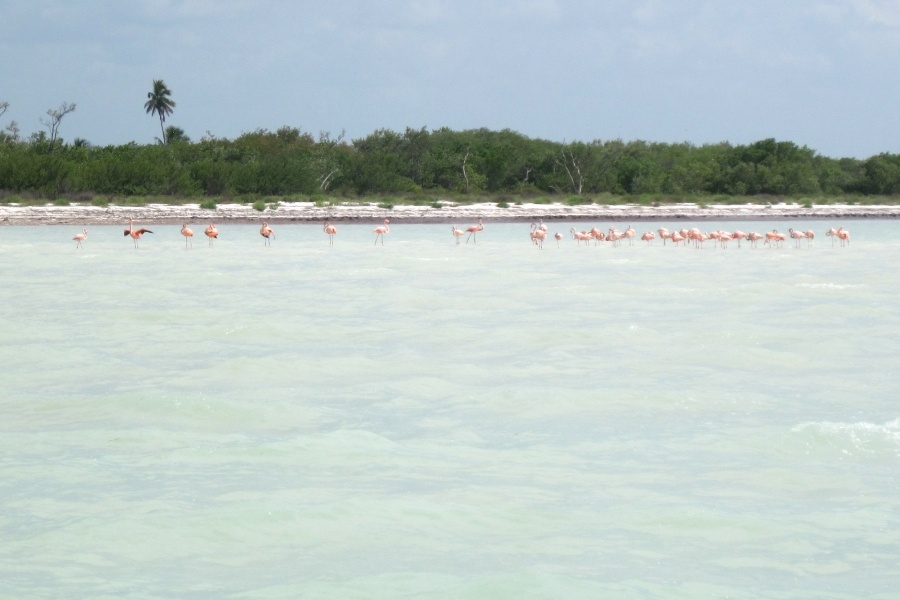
x=288 y=162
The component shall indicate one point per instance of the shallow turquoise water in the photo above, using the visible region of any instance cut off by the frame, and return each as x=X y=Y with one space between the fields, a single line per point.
x=438 y=421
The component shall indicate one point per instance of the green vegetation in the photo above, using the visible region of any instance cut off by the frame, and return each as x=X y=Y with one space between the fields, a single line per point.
x=430 y=168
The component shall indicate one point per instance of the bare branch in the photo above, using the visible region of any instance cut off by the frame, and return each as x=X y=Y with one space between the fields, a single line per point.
x=466 y=175
x=326 y=179
x=56 y=117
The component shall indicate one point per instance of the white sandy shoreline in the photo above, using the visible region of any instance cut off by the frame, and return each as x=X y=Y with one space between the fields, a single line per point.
x=308 y=212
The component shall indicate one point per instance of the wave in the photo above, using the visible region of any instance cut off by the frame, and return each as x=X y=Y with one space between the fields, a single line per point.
x=862 y=437
x=830 y=286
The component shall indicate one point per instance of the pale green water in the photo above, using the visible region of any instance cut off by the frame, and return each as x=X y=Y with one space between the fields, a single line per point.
x=422 y=420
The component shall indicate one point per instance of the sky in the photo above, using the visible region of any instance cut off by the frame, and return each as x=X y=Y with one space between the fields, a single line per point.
x=820 y=73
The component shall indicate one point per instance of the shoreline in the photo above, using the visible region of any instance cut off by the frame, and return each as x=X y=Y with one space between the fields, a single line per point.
x=308 y=212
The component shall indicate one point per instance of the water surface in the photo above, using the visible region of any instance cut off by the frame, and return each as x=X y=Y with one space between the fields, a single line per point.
x=428 y=420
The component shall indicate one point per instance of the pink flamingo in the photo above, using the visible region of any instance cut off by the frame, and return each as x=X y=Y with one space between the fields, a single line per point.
x=832 y=233
x=738 y=235
x=843 y=235
x=810 y=236
x=188 y=235
x=598 y=235
x=135 y=233
x=615 y=236
x=664 y=234
x=677 y=237
x=649 y=237
x=581 y=236
x=629 y=233
x=753 y=238
x=79 y=237
x=476 y=228
x=381 y=231
x=457 y=233
x=267 y=232
x=774 y=236
x=330 y=230
x=796 y=236
x=538 y=235
x=558 y=237
x=212 y=233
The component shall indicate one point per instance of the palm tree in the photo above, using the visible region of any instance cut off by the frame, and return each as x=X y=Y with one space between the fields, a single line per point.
x=159 y=102
x=176 y=134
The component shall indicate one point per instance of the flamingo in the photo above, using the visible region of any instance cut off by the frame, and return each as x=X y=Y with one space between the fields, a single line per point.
x=267 y=232
x=79 y=237
x=629 y=233
x=558 y=237
x=677 y=237
x=538 y=235
x=380 y=231
x=614 y=236
x=738 y=235
x=810 y=236
x=330 y=230
x=598 y=235
x=457 y=233
x=753 y=238
x=664 y=234
x=476 y=228
x=135 y=233
x=581 y=236
x=774 y=236
x=796 y=236
x=832 y=233
x=212 y=233
x=188 y=235
x=843 y=235
x=648 y=237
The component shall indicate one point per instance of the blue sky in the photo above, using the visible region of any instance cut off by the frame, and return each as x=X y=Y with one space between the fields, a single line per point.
x=820 y=73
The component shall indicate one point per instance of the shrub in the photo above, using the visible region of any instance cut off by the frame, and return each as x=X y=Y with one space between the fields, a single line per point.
x=260 y=205
x=209 y=203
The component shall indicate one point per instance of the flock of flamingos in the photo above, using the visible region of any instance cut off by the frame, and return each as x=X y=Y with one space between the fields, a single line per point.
x=539 y=234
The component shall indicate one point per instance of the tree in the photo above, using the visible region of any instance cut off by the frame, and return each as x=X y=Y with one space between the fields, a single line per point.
x=176 y=134
x=56 y=117
x=158 y=102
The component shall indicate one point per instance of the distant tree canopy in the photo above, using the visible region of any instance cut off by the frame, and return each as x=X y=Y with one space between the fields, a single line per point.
x=289 y=161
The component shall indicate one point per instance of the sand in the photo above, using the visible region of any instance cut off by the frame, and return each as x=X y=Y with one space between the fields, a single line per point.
x=301 y=212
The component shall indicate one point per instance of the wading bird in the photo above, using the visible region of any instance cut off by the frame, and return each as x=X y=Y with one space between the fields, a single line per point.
x=267 y=232
x=381 y=231
x=135 y=233
x=79 y=237
x=188 y=234
x=457 y=233
x=475 y=229
x=212 y=233
x=329 y=230
x=843 y=235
